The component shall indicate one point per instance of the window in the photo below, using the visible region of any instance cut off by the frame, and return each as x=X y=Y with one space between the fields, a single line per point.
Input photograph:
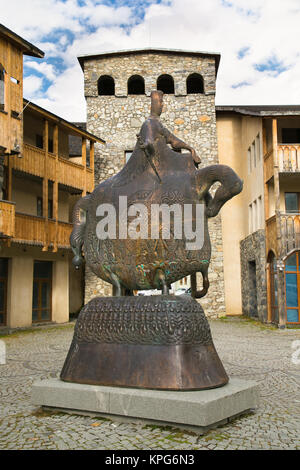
x=254 y=154
x=254 y=213
x=165 y=83
x=2 y=88
x=250 y=220
x=50 y=145
x=292 y=202
x=106 y=86
x=249 y=161
x=194 y=84
x=39 y=141
x=273 y=306
x=39 y=207
x=257 y=147
x=128 y=154
x=42 y=291
x=290 y=136
x=292 y=283
x=14 y=80
x=260 y=212
x=136 y=85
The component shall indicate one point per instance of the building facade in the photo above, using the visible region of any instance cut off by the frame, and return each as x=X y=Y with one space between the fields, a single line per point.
x=261 y=226
x=41 y=181
x=117 y=90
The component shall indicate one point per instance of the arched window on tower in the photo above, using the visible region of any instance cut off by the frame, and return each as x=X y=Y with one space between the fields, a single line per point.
x=194 y=84
x=106 y=86
x=136 y=85
x=2 y=88
x=165 y=83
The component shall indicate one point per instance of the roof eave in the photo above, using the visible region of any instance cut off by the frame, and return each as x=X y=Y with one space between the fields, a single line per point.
x=215 y=55
x=63 y=122
x=26 y=47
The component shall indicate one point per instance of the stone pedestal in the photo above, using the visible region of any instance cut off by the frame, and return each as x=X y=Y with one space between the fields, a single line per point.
x=200 y=409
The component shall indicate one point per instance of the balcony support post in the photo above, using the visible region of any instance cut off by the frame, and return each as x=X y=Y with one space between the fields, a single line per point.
x=92 y=155
x=45 y=184
x=55 y=187
x=84 y=164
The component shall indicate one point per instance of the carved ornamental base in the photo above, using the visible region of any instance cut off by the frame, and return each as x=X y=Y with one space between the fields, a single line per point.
x=155 y=342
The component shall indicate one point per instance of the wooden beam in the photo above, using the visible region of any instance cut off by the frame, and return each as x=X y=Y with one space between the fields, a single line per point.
x=84 y=164
x=264 y=134
x=45 y=184
x=92 y=155
x=7 y=98
x=55 y=186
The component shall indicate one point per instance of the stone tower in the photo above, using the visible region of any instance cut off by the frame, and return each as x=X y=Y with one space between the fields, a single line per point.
x=117 y=89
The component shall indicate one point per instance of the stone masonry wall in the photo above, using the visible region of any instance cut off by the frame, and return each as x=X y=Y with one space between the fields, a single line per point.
x=253 y=250
x=117 y=119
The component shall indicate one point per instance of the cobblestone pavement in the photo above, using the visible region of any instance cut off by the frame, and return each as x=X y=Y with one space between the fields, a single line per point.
x=248 y=351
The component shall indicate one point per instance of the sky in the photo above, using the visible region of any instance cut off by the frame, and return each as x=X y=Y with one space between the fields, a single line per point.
x=258 y=41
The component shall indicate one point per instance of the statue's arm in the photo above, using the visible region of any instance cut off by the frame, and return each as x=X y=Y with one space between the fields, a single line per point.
x=178 y=144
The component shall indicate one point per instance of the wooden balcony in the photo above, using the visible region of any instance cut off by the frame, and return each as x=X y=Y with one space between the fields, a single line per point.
x=289 y=237
x=32 y=230
x=290 y=232
x=7 y=219
x=69 y=174
x=288 y=158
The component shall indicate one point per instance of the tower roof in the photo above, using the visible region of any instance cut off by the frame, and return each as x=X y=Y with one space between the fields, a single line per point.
x=151 y=50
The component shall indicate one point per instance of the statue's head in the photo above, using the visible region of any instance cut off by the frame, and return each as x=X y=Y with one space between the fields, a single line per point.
x=156 y=102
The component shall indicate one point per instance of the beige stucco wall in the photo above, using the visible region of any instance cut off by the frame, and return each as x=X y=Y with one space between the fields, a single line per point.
x=25 y=193
x=235 y=135
x=20 y=284
x=33 y=125
x=60 y=291
x=19 y=291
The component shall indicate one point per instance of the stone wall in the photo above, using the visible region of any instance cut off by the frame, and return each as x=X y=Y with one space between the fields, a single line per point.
x=254 y=291
x=117 y=119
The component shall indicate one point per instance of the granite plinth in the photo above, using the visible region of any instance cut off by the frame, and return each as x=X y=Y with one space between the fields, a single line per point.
x=202 y=409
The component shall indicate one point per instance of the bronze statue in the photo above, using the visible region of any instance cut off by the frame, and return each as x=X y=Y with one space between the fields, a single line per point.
x=155 y=174
x=161 y=342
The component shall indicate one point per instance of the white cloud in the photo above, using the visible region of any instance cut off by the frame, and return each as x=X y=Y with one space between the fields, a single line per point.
x=42 y=67
x=66 y=96
x=32 y=86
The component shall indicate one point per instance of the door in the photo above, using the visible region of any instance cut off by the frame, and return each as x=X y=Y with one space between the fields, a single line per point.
x=273 y=284
x=3 y=290
x=292 y=288
x=42 y=291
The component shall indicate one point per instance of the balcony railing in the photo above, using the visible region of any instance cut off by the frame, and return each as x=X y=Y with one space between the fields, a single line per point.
x=288 y=157
x=33 y=230
x=7 y=219
x=290 y=232
x=69 y=173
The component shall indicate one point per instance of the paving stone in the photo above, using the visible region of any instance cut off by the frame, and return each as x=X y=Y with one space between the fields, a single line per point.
x=247 y=351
